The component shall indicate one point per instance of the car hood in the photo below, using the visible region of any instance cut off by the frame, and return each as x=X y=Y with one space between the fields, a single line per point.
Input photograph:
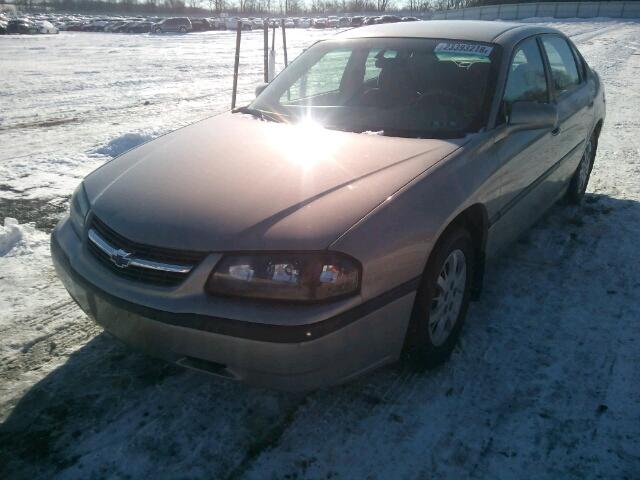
x=233 y=182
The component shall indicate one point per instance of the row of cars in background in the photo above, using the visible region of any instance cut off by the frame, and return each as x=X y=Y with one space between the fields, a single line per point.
x=26 y=25
x=49 y=23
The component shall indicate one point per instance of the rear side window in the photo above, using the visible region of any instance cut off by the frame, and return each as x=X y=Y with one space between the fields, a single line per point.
x=564 y=71
x=371 y=70
x=526 y=81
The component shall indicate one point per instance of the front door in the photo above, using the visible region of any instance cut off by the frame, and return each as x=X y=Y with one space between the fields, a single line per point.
x=526 y=156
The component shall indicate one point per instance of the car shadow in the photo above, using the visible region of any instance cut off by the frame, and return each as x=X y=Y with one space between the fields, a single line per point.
x=111 y=406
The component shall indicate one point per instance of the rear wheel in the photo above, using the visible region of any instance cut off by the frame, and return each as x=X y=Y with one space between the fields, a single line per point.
x=580 y=178
x=183 y=29
x=158 y=30
x=442 y=300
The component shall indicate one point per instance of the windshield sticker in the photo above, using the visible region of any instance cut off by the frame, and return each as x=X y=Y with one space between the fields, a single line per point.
x=473 y=49
x=463 y=54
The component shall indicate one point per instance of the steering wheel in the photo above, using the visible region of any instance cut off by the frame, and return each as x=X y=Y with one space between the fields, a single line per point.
x=449 y=115
x=459 y=100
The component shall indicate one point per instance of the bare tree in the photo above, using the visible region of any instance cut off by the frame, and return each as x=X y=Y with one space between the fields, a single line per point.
x=383 y=5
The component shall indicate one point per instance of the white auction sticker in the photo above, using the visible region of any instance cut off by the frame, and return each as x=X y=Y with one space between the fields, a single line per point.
x=469 y=48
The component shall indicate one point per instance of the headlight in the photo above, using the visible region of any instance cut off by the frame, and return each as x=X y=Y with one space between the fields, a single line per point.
x=79 y=209
x=286 y=276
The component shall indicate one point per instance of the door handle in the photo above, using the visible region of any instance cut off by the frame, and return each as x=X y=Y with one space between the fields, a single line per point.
x=555 y=131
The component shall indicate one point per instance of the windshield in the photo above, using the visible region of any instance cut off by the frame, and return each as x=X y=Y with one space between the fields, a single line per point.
x=426 y=88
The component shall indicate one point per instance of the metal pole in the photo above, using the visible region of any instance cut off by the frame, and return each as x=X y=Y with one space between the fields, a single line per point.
x=284 y=43
x=266 y=50
x=236 y=65
x=273 y=37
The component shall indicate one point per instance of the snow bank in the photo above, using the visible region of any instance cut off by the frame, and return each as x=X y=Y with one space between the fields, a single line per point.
x=16 y=239
x=122 y=143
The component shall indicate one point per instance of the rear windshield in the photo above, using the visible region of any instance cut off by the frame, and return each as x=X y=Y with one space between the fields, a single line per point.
x=427 y=88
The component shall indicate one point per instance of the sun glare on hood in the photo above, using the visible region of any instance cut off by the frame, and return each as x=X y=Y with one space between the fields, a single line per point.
x=307 y=143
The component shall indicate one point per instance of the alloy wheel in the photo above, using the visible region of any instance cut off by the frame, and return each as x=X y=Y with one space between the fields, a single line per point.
x=447 y=301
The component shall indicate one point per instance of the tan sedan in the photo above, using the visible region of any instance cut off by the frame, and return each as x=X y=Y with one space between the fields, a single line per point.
x=374 y=178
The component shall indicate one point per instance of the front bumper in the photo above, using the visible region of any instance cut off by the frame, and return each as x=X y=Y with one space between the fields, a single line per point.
x=338 y=348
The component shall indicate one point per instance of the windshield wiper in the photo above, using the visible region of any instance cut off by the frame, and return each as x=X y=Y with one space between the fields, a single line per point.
x=261 y=114
x=409 y=133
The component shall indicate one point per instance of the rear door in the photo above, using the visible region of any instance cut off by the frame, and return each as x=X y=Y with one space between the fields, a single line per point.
x=574 y=98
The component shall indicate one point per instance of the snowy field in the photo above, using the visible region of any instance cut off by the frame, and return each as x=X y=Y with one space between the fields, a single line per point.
x=545 y=383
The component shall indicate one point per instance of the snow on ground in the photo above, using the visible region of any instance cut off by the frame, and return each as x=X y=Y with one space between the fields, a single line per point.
x=545 y=382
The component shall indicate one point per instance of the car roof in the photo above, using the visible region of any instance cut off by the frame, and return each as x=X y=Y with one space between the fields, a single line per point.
x=504 y=33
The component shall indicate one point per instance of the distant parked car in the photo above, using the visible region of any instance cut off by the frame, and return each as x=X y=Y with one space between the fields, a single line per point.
x=22 y=26
x=45 y=26
x=370 y=21
x=333 y=22
x=3 y=27
x=95 y=26
x=113 y=26
x=389 y=19
x=319 y=23
x=217 y=24
x=200 y=24
x=357 y=21
x=410 y=19
x=344 y=22
x=232 y=23
x=304 y=23
x=123 y=27
x=74 y=26
x=140 y=27
x=177 y=24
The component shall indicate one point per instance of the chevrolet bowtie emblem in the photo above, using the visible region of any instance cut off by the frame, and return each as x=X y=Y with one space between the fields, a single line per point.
x=121 y=258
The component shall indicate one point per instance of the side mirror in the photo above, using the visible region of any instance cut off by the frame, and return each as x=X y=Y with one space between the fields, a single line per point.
x=532 y=115
x=260 y=88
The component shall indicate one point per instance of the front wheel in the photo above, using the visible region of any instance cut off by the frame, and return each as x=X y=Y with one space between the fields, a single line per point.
x=442 y=300
x=183 y=29
x=580 y=178
x=158 y=30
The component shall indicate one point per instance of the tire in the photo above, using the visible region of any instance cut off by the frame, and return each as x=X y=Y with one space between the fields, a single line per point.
x=580 y=179
x=183 y=29
x=429 y=341
x=158 y=30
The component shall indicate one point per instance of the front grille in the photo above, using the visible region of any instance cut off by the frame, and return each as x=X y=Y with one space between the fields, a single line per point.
x=141 y=251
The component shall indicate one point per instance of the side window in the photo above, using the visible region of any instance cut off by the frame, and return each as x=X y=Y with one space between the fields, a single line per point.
x=582 y=67
x=564 y=71
x=526 y=80
x=371 y=70
x=323 y=77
